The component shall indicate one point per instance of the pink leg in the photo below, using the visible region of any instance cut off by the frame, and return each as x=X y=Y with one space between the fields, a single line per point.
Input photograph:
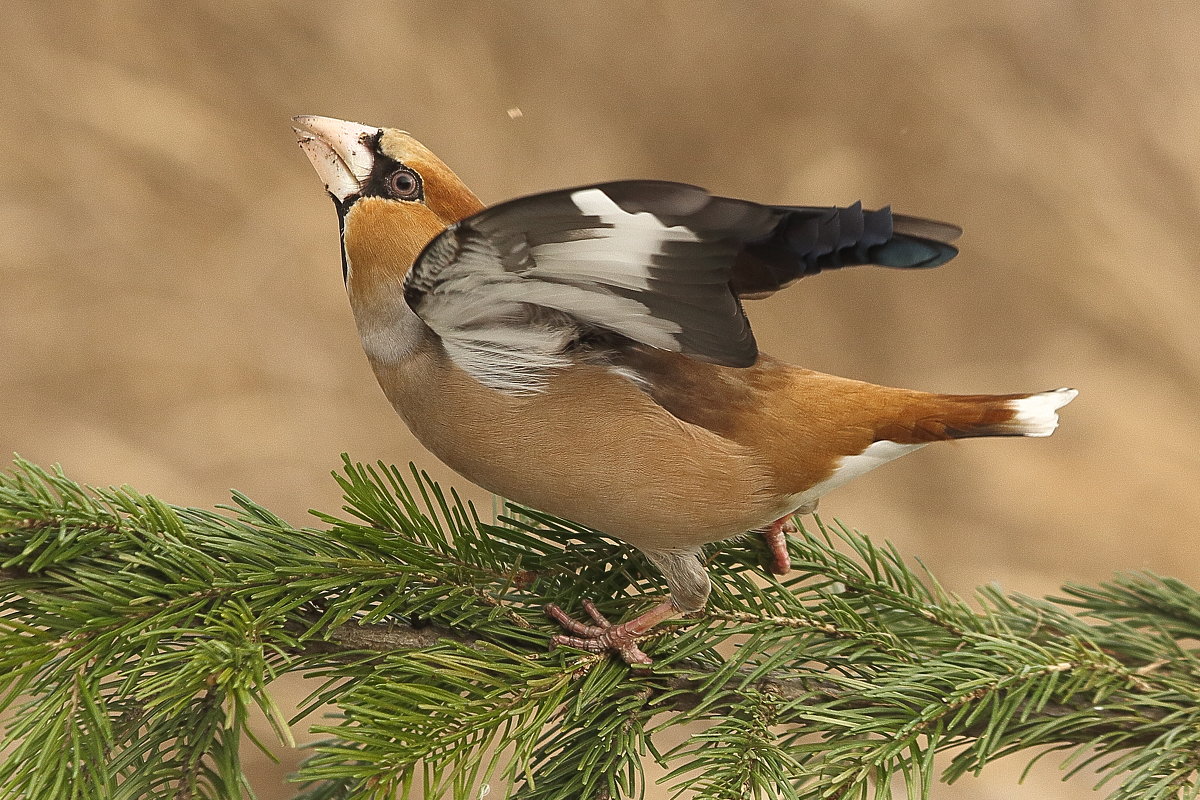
x=776 y=538
x=604 y=636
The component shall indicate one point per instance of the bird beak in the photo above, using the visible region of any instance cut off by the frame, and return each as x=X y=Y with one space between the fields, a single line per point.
x=341 y=152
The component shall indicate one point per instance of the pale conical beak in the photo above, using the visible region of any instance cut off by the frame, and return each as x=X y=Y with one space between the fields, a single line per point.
x=341 y=152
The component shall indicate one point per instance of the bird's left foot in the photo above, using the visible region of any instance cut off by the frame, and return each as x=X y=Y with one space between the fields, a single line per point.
x=603 y=636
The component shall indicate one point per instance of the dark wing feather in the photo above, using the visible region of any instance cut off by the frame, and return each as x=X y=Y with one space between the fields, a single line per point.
x=812 y=239
x=511 y=288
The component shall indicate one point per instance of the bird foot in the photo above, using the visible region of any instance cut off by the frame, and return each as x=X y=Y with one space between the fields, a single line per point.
x=775 y=536
x=604 y=637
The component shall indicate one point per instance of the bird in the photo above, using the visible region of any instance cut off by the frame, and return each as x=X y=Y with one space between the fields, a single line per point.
x=585 y=352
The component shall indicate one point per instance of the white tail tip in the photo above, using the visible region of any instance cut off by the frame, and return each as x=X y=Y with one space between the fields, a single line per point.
x=1036 y=415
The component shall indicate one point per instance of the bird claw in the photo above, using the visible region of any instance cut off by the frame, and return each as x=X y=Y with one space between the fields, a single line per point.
x=602 y=637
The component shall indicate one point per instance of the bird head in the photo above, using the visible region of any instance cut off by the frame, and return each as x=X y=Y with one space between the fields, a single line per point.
x=392 y=195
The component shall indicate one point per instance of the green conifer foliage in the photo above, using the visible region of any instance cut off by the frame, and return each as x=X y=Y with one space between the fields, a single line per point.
x=137 y=636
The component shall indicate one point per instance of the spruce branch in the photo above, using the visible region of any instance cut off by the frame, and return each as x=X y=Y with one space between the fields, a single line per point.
x=136 y=637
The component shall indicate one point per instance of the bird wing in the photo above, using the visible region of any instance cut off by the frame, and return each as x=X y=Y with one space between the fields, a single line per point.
x=509 y=290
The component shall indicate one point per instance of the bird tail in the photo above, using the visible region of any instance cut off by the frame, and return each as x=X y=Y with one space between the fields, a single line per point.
x=968 y=416
x=1034 y=414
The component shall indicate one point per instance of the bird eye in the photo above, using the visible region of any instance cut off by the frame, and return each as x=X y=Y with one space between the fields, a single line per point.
x=403 y=184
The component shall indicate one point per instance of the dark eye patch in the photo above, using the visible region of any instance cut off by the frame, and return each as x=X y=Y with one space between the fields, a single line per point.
x=385 y=168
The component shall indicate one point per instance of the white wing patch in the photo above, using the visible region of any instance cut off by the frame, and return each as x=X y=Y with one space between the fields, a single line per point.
x=619 y=255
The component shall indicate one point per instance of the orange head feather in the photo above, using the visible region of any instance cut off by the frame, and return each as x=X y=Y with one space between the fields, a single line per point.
x=393 y=194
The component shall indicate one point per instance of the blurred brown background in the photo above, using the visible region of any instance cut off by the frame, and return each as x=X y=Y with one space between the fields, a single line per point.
x=172 y=314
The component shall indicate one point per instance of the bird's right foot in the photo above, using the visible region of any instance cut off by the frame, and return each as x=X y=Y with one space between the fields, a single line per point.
x=775 y=535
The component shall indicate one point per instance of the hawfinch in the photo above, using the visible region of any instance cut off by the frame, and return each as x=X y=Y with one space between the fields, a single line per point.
x=585 y=352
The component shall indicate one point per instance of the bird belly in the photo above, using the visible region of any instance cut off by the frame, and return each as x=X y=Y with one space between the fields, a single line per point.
x=591 y=448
